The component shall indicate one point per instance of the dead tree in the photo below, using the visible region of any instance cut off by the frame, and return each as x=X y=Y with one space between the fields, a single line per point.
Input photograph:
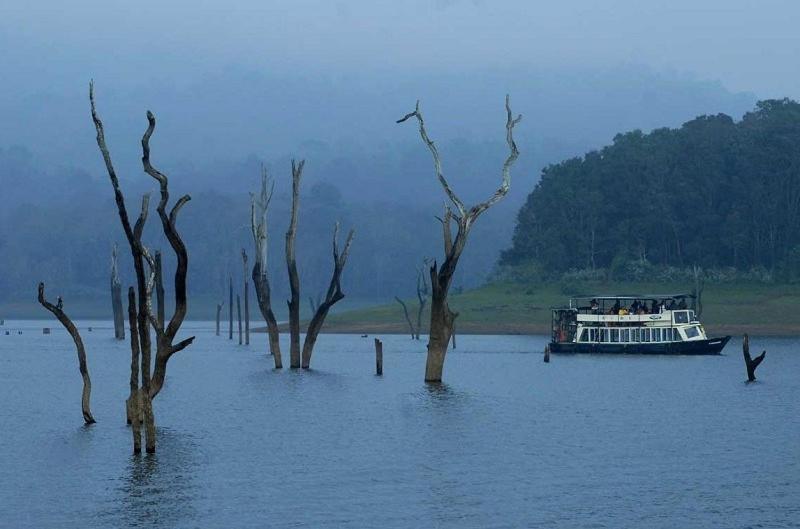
x=258 y=223
x=422 y=295
x=332 y=296
x=291 y=265
x=116 y=297
x=442 y=318
x=133 y=404
x=239 y=316
x=219 y=310
x=230 y=307
x=165 y=336
x=408 y=319
x=246 y=300
x=159 y=288
x=699 y=286
x=751 y=363
x=59 y=313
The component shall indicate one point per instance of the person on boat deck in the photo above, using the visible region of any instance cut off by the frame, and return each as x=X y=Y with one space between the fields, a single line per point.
x=654 y=308
x=635 y=306
x=593 y=305
x=671 y=305
x=615 y=308
x=682 y=304
x=623 y=311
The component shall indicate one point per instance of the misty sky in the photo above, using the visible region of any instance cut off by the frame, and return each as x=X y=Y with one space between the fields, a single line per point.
x=748 y=45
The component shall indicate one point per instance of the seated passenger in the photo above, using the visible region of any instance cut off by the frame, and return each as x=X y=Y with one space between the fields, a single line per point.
x=594 y=306
x=682 y=304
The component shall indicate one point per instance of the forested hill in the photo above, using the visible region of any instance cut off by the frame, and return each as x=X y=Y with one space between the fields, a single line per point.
x=714 y=193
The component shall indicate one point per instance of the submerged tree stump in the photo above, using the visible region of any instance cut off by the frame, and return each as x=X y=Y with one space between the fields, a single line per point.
x=547 y=354
x=219 y=310
x=751 y=363
x=378 y=357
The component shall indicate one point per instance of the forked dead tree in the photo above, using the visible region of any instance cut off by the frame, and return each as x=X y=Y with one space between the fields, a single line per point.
x=291 y=265
x=258 y=224
x=59 y=313
x=442 y=318
x=408 y=319
x=165 y=335
x=751 y=363
x=116 y=297
x=332 y=296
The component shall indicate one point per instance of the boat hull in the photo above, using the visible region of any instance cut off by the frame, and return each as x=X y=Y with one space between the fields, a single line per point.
x=711 y=346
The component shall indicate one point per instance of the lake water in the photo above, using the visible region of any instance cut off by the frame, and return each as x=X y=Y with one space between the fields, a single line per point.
x=508 y=441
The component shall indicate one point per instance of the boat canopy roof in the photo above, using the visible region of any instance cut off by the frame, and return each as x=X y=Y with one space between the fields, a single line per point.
x=599 y=297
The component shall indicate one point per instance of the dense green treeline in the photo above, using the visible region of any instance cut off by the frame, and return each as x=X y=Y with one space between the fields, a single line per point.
x=714 y=193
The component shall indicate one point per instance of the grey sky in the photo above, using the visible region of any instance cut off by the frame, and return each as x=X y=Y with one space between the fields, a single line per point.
x=748 y=45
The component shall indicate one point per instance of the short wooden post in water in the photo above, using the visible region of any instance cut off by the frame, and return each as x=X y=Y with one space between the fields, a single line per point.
x=219 y=309
x=378 y=357
x=751 y=363
x=547 y=354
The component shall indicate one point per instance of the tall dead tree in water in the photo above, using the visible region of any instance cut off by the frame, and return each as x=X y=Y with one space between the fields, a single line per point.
x=291 y=265
x=408 y=318
x=751 y=363
x=59 y=313
x=442 y=318
x=246 y=299
x=259 y=204
x=116 y=297
x=332 y=296
x=159 y=278
x=165 y=335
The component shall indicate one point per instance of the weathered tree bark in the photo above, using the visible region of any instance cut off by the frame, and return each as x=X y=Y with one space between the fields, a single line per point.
x=133 y=404
x=332 y=296
x=291 y=265
x=116 y=297
x=76 y=337
x=246 y=300
x=442 y=318
x=751 y=363
x=422 y=295
x=408 y=319
x=378 y=357
x=219 y=310
x=230 y=307
x=258 y=223
x=239 y=316
x=165 y=337
x=159 y=289
x=453 y=336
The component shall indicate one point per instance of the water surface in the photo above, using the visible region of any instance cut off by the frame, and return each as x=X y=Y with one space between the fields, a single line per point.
x=508 y=441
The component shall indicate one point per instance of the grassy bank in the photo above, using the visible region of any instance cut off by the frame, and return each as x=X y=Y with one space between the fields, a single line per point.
x=504 y=308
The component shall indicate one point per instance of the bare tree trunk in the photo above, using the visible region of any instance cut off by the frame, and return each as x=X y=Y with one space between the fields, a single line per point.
x=408 y=319
x=116 y=298
x=159 y=289
x=453 y=337
x=333 y=295
x=258 y=223
x=219 y=309
x=291 y=265
x=230 y=308
x=442 y=318
x=751 y=363
x=239 y=316
x=133 y=404
x=246 y=300
x=76 y=337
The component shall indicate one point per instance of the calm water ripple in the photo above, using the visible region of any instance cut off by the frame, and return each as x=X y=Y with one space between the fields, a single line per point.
x=585 y=441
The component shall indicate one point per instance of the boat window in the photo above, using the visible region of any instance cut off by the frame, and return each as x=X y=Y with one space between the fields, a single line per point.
x=626 y=335
x=634 y=335
x=583 y=336
x=645 y=335
x=604 y=335
x=614 y=335
x=692 y=316
x=656 y=334
x=593 y=335
x=682 y=316
x=692 y=332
